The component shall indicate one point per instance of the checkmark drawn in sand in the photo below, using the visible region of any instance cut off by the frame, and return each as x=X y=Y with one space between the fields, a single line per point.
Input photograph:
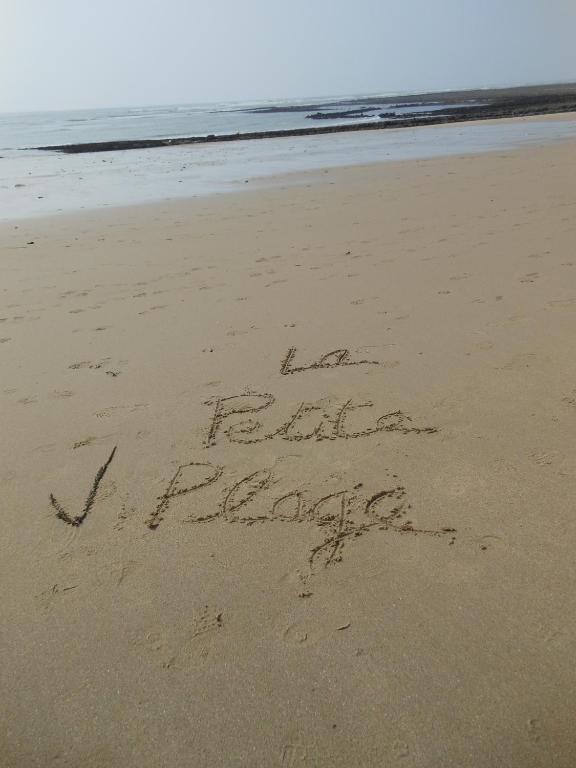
x=79 y=519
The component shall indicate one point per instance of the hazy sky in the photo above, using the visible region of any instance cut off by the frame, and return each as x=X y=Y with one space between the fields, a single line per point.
x=64 y=54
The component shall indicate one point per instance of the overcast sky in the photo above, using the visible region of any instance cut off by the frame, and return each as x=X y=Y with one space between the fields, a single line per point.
x=66 y=54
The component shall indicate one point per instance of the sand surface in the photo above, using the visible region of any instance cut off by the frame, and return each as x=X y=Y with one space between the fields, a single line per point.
x=288 y=478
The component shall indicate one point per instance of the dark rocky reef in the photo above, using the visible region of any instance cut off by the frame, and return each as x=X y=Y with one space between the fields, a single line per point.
x=558 y=91
x=349 y=114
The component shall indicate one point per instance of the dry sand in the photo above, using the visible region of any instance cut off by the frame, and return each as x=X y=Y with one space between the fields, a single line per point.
x=373 y=567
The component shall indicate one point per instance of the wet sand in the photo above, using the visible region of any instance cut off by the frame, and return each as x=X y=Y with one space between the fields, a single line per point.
x=39 y=184
x=288 y=476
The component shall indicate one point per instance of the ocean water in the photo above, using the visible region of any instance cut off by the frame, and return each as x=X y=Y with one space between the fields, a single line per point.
x=35 y=183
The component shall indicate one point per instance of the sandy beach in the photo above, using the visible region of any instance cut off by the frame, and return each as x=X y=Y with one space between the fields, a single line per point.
x=288 y=475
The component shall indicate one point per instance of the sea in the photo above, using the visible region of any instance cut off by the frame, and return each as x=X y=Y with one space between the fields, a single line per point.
x=35 y=182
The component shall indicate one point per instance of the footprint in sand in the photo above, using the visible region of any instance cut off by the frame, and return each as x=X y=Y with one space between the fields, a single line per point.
x=206 y=619
x=90 y=440
x=89 y=364
x=107 y=412
x=488 y=542
x=400 y=751
x=170 y=647
x=28 y=400
x=530 y=277
x=293 y=755
x=298 y=635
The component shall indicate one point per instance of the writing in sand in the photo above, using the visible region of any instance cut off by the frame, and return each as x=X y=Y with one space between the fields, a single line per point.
x=262 y=496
